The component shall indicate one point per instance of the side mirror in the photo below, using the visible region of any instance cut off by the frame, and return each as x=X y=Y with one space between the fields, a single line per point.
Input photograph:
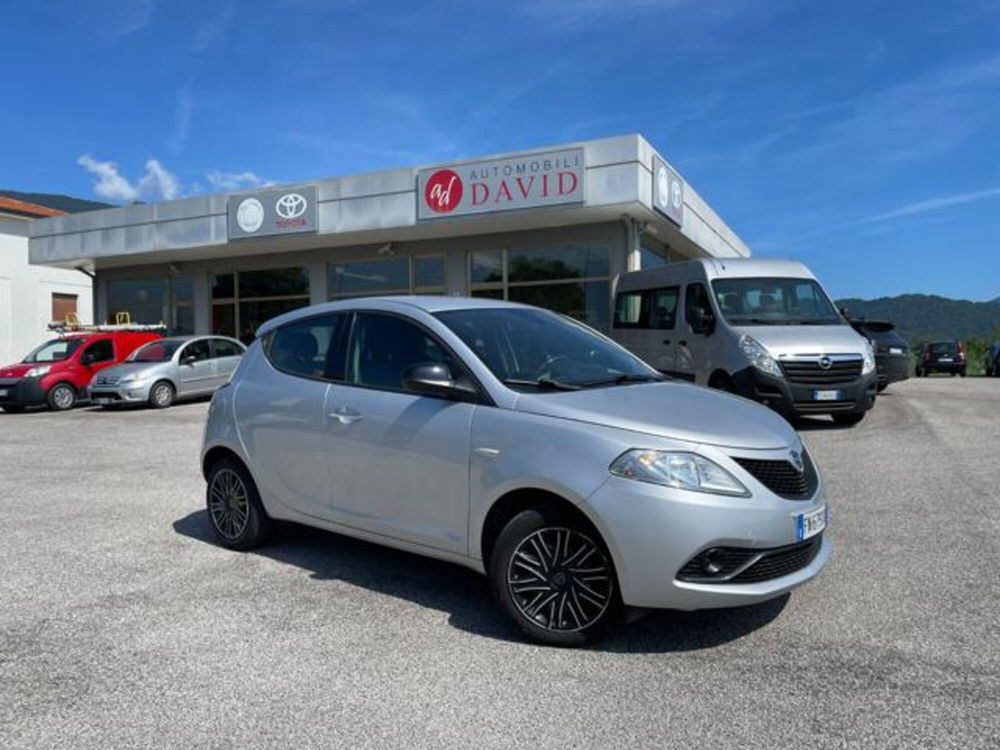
x=435 y=379
x=702 y=322
x=188 y=360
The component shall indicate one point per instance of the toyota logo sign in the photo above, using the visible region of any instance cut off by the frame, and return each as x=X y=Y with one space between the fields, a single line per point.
x=290 y=206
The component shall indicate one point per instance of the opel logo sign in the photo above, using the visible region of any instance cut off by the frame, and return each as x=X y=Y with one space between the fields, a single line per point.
x=250 y=215
x=825 y=363
x=290 y=206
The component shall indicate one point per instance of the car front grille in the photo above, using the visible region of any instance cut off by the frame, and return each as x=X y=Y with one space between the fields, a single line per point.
x=811 y=372
x=743 y=565
x=782 y=477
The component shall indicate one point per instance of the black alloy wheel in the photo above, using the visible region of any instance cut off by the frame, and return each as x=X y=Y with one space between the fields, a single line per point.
x=234 y=508
x=554 y=577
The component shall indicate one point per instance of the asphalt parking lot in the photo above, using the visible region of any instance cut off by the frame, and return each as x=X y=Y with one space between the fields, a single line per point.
x=123 y=625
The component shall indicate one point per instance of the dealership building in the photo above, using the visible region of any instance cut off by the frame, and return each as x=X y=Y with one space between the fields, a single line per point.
x=551 y=227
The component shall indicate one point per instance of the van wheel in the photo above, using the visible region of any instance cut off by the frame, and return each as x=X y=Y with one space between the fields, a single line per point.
x=61 y=397
x=849 y=419
x=554 y=577
x=238 y=517
x=161 y=395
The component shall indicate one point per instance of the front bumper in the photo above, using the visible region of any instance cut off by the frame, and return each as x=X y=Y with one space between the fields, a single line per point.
x=21 y=392
x=795 y=399
x=653 y=531
x=132 y=392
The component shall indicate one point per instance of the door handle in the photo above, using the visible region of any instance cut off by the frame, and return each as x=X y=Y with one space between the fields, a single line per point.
x=666 y=341
x=346 y=416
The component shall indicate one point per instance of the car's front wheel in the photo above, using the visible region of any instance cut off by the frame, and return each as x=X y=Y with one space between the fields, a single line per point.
x=61 y=397
x=554 y=577
x=234 y=508
x=161 y=395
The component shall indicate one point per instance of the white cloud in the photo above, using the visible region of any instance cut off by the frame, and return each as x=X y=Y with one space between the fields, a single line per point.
x=157 y=183
x=933 y=204
x=183 y=107
x=132 y=15
x=235 y=180
x=212 y=30
x=110 y=184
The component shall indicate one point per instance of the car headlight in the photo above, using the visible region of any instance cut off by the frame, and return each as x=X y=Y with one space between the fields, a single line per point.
x=758 y=356
x=869 y=355
x=684 y=471
x=37 y=372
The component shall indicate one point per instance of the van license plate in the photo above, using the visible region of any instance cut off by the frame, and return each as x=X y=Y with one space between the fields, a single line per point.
x=826 y=395
x=3 y=392
x=810 y=524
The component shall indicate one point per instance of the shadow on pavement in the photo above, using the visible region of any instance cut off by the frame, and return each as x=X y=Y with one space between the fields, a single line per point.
x=465 y=595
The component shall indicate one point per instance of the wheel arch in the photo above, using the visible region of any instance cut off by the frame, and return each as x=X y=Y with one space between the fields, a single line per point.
x=513 y=502
x=215 y=454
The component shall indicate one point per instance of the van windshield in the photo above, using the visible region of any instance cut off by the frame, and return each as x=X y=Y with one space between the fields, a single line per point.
x=54 y=351
x=774 y=301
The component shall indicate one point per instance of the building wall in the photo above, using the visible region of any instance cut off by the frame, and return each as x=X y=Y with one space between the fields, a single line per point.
x=26 y=294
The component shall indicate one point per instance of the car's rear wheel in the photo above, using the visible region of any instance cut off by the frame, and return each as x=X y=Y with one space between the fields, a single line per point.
x=234 y=508
x=851 y=418
x=61 y=397
x=161 y=395
x=554 y=577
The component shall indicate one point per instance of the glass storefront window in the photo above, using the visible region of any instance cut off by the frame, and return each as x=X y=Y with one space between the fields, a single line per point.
x=224 y=286
x=369 y=277
x=242 y=301
x=650 y=258
x=581 y=260
x=224 y=320
x=273 y=282
x=147 y=301
x=587 y=301
x=428 y=271
x=486 y=267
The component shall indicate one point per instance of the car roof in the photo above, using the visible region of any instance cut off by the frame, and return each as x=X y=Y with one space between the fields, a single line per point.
x=395 y=303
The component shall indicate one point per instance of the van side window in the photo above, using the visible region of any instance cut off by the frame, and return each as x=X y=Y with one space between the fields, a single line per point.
x=312 y=348
x=649 y=309
x=696 y=299
x=99 y=351
x=628 y=310
x=663 y=308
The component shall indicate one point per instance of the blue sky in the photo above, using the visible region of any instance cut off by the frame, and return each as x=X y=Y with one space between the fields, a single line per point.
x=860 y=137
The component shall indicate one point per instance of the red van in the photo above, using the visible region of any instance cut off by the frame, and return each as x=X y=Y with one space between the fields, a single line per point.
x=58 y=372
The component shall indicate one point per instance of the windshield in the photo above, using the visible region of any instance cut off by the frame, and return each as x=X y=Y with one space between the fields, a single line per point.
x=771 y=301
x=538 y=350
x=161 y=350
x=54 y=351
x=944 y=347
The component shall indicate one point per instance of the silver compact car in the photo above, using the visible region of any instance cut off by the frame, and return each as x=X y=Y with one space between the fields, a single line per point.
x=167 y=369
x=521 y=444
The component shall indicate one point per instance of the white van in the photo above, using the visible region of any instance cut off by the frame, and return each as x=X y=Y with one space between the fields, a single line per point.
x=764 y=329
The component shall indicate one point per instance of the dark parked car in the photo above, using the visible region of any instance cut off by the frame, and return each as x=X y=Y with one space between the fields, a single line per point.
x=993 y=361
x=942 y=356
x=892 y=353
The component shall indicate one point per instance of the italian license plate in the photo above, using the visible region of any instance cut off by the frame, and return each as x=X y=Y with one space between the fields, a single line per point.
x=826 y=395
x=102 y=401
x=810 y=524
x=946 y=359
x=895 y=350
x=4 y=392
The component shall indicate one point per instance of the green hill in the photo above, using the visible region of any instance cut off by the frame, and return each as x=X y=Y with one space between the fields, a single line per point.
x=926 y=317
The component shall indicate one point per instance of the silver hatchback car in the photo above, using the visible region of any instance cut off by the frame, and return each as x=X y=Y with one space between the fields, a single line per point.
x=167 y=369
x=518 y=443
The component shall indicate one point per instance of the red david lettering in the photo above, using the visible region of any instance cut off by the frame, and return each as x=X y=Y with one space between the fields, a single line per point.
x=443 y=191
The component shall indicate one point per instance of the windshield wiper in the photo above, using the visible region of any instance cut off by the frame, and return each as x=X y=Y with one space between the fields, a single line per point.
x=555 y=385
x=625 y=378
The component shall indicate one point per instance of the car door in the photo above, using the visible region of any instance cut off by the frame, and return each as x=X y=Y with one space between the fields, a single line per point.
x=399 y=461
x=227 y=356
x=196 y=368
x=693 y=336
x=95 y=357
x=281 y=411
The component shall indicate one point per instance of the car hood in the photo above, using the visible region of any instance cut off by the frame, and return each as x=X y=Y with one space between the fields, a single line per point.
x=818 y=340
x=141 y=368
x=680 y=411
